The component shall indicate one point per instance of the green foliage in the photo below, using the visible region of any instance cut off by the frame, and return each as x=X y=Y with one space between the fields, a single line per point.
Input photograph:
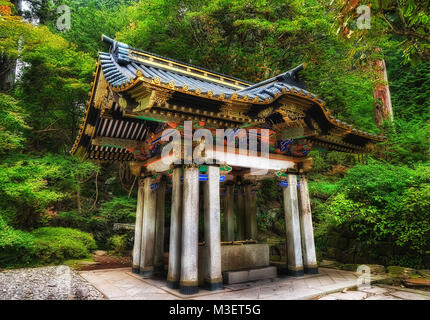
x=54 y=245
x=100 y=222
x=16 y=247
x=29 y=185
x=54 y=109
x=12 y=125
x=380 y=203
x=119 y=209
x=379 y=184
x=42 y=246
x=322 y=189
x=408 y=19
x=409 y=87
x=57 y=233
x=54 y=82
x=407 y=142
x=118 y=243
x=269 y=191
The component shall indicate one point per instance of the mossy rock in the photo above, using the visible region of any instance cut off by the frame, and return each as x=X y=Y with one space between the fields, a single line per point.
x=78 y=264
x=275 y=258
x=349 y=267
x=424 y=273
x=397 y=272
x=328 y=264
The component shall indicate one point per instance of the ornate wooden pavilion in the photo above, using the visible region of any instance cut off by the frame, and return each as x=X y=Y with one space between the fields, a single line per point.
x=136 y=96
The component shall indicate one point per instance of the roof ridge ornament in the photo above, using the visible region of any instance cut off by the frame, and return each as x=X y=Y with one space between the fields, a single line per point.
x=289 y=77
x=119 y=50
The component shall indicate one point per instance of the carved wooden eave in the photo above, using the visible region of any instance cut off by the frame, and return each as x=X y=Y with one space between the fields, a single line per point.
x=135 y=93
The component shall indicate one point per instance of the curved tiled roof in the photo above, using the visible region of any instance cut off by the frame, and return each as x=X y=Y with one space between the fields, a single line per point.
x=123 y=65
x=124 y=68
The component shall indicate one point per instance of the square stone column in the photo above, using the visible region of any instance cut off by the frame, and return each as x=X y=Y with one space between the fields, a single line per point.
x=148 y=229
x=213 y=277
x=307 y=231
x=229 y=213
x=292 y=223
x=190 y=232
x=138 y=228
x=159 y=226
x=174 y=272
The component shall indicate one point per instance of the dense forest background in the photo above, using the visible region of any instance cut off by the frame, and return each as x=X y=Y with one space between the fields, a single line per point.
x=366 y=209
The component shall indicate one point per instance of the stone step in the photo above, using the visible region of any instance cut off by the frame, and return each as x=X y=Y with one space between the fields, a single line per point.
x=231 y=277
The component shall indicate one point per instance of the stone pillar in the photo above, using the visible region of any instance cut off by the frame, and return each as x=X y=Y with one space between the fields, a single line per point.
x=229 y=213
x=250 y=213
x=190 y=232
x=213 y=277
x=240 y=217
x=159 y=226
x=292 y=223
x=138 y=228
x=174 y=271
x=307 y=231
x=148 y=229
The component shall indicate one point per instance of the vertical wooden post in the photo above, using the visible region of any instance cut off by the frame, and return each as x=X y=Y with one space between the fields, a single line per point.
x=148 y=230
x=138 y=228
x=159 y=227
x=307 y=232
x=250 y=213
x=229 y=213
x=240 y=217
x=190 y=232
x=174 y=270
x=213 y=277
x=292 y=223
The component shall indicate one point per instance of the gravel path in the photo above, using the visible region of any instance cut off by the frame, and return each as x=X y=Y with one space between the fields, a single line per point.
x=47 y=283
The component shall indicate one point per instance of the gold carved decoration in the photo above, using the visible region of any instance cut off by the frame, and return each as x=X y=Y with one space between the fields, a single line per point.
x=307 y=164
x=265 y=113
x=315 y=124
x=339 y=132
x=122 y=102
x=291 y=112
x=89 y=130
x=230 y=110
x=155 y=98
x=101 y=91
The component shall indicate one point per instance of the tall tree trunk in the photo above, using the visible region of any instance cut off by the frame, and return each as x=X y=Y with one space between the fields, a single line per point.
x=7 y=73
x=8 y=65
x=382 y=107
x=78 y=197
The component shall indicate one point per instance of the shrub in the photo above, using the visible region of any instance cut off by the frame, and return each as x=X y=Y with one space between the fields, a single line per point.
x=16 y=247
x=54 y=245
x=381 y=209
x=118 y=243
x=322 y=189
x=117 y=210
x=76 y=235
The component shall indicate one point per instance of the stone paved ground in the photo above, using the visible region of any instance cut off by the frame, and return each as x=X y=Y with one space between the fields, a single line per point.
x=47 y=283
x=121 y=284
x=62 y=283
x=378 y=292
